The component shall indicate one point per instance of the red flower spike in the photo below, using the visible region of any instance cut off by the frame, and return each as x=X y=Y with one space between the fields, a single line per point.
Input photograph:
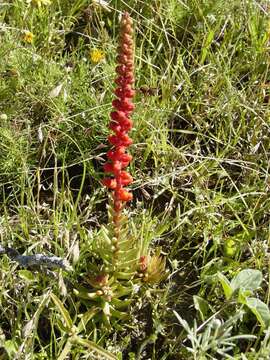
x=120 y=124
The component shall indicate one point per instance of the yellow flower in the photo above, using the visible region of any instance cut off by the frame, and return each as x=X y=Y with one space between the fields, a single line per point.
x=96 y=55
x=28 y=37
x=39 y=3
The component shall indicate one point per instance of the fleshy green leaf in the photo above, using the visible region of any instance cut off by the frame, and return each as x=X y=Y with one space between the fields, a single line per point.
x=27 y=275
x=260 y=310
x=11 y=347
x=225 y=285
x=201 y=305
x=247 y=279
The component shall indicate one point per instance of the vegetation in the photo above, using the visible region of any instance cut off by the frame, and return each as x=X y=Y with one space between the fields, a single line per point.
x=200 y=191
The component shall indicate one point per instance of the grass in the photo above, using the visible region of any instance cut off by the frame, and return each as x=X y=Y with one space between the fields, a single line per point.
x=201 y=165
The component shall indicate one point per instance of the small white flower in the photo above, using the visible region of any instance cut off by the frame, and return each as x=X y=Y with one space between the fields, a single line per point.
x=135 y=288
x=40 y=134
x=56 y=91
x=102 y=3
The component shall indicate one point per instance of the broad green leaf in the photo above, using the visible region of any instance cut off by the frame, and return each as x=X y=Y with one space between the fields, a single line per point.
x=243 y=295
x=260 y=310
x=11 y=348
x=225 y=285
x=247 y=279
x=27 y=275
x=201 y=305
x=207 y=42
x=230 y=247
x=62 y=310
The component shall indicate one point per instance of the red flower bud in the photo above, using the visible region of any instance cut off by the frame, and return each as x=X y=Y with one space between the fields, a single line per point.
x=120 y=150
x=117 y=205
x=108 y=168
x=122 y=59
x=115 y=127
x=121 y=69
x=123 y=140
x=119 y=155
x=127 y=105
x=127 y=40
x=114 y=140
x=123 y=194
x=126 y=157
x=117 y=166
x=125 y=178
x=120 y=80
x=122 y=92
x=129 y=77
x=125 y=48
x=110 y=183
x=129 y=93
x=126 y=140
x=118 y=105
x=127 y=125
x=118 y=115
